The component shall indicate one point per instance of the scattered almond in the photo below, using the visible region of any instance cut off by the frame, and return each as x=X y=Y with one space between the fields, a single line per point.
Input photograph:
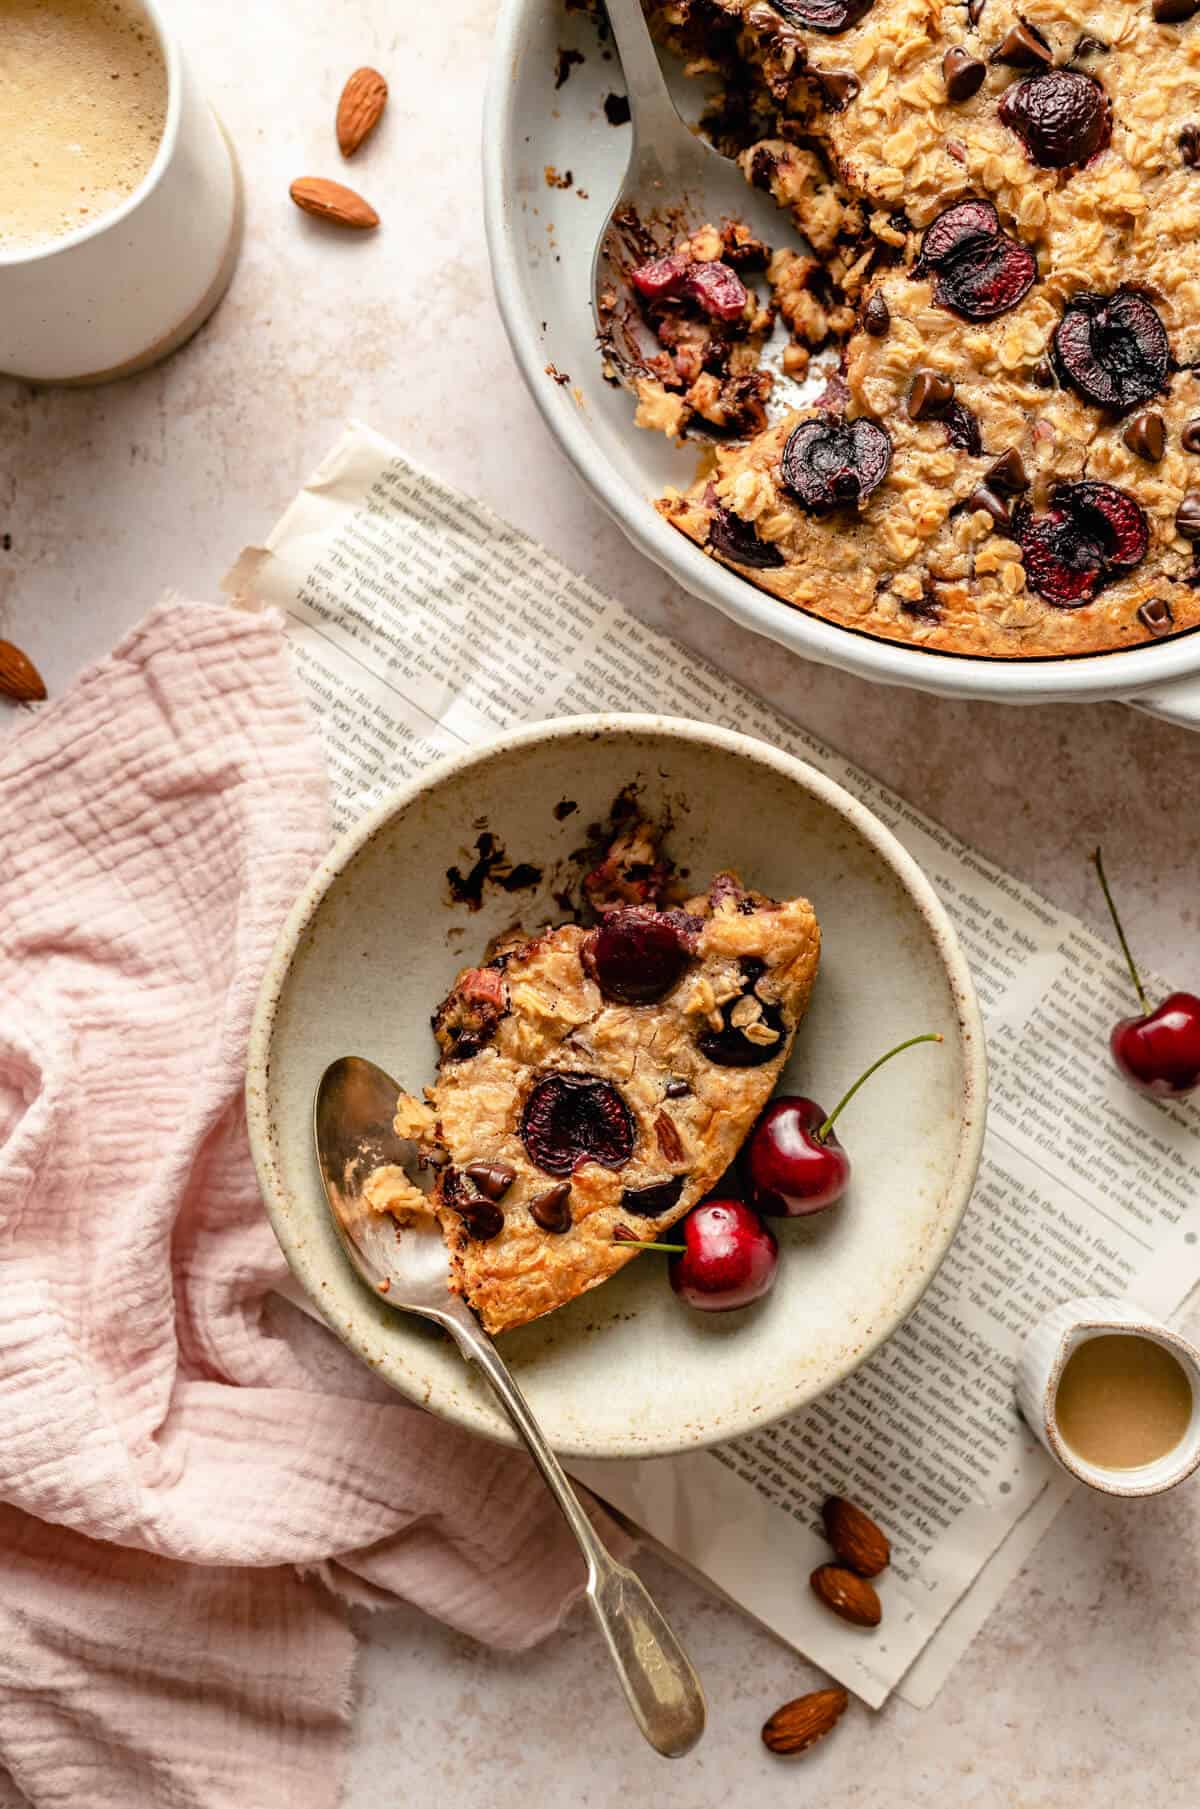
x=19 y=677
x=854 y=1536
x=360 y=109
x=800 y=1724
x=332 y=201
x=847 y=1595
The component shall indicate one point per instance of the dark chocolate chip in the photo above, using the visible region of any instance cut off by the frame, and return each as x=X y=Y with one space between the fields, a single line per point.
x=1189 y=144
x=1146 y=436
x=552 y=1209
x=927 y=607
x=1043 y=374
x=840 y=87
x=1187 y=516
x=616 y=109
x=1174 y=12
x=975 y=10
x=482 y=1218
x=1156 y=615
x=493 y=1179
x=738 y=540
x=1088 y=46
x=877 y=316
x=929 y=396
x=984 y=497
x=1190 y=437
x=650 y=1202
x=1023 y=48
x=962 y=73
x=676 y=1088
x=1008 y=473
x=962 y=428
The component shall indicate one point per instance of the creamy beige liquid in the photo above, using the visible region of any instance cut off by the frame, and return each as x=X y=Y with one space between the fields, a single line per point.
x=1122 y=1401
x=83 y=103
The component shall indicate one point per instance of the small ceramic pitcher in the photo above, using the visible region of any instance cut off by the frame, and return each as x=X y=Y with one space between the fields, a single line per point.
x=1039 y=1371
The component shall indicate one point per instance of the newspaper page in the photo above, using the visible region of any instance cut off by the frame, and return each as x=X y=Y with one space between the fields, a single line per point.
x=421 y=623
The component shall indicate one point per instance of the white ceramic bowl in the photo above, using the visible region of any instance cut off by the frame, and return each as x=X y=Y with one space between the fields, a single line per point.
x=373 y=943
x=541 y=240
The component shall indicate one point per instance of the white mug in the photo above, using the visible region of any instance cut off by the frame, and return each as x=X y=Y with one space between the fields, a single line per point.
x=130 y=287
x=1039 y=1370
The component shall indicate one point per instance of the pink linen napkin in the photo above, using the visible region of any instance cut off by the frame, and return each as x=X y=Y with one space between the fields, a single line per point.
x=185 y=1462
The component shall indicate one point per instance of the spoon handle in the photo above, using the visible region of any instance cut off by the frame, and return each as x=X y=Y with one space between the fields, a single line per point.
x=650 y=103
x=660 y=1685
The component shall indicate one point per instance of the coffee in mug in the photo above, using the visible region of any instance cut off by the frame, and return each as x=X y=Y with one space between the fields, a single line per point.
x=83 y=105
x=120 y=199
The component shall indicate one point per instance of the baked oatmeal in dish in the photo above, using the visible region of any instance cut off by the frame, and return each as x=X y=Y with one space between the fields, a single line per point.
x=1003 y=210
x=594 y=1081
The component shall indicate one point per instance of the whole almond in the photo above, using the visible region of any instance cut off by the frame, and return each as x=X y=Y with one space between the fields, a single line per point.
x=19 y=677
x=855 y=1537
x=800 y=1724
x=847 y=1595
x=332 y=201
x=360 y=109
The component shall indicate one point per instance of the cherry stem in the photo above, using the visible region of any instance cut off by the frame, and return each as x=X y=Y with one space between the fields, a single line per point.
x=1112 y=911
x=631 y=1243
x=822 y=1131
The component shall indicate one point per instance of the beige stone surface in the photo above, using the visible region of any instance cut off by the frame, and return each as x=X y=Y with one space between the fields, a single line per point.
x=1081 y=1688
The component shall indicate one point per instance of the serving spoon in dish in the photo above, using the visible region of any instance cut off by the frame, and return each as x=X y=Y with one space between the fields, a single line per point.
x=673 y=175
x=409 y=1267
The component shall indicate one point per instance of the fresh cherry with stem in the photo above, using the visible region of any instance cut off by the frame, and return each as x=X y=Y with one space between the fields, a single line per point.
x=728 y=1257
x=1158 y=1052
x=792 y=1163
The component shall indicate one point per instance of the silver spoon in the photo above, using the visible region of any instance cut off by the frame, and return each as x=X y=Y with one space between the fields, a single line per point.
x=409 y=1268
x=671 y=171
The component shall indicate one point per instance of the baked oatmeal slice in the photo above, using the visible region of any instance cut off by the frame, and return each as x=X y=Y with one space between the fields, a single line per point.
x=591 y=1079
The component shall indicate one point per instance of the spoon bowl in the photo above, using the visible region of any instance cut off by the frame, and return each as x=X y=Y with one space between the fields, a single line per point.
x=408 y=1266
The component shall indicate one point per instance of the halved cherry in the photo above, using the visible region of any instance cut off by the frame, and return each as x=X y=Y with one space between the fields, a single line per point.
x=714 y=285
x=638 y=954
x=570 y=1119
x=978 y=270
x=1091 y=534
x=823 y=15
x=718 y=289
x=1113 y=349
x=831 y=463
x=1062 y=117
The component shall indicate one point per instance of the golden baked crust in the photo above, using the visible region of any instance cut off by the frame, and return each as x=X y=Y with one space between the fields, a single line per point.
x=885 y=152
x=749 y=976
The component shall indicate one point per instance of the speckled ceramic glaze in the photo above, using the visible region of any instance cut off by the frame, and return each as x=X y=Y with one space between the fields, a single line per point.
x=375 y=940
x=1039 y=1371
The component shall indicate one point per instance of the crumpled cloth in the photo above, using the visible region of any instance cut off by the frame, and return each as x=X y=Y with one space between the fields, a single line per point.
x=194 y=1477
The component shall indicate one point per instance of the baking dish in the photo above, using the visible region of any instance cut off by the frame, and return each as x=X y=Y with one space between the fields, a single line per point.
x=552 y=162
